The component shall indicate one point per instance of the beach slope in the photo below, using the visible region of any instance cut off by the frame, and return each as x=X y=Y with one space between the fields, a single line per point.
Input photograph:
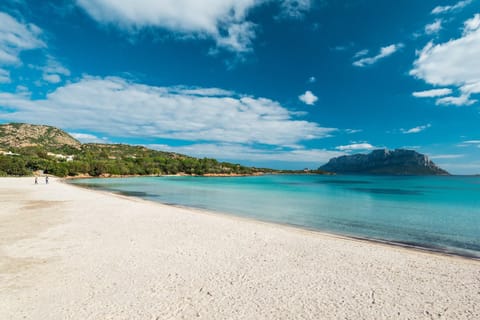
x=72 y=253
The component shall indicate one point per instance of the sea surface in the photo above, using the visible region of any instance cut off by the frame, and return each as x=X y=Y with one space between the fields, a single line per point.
x=440 y=213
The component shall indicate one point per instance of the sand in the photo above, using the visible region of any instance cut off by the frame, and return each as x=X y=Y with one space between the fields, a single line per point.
x=72 y=253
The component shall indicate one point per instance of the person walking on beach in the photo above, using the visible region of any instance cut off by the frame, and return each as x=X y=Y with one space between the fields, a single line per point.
x=36 y=180
x=46 y=180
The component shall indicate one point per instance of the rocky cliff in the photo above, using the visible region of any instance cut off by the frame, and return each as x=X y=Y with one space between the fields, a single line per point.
x=385 y=162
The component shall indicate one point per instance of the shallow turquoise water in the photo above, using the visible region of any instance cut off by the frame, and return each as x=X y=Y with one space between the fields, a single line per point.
x=439 y=213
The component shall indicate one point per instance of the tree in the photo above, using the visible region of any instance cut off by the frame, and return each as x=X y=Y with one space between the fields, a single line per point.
x=13 y=165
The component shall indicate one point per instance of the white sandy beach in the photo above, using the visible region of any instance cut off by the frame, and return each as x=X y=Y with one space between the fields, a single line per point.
x=72 y=253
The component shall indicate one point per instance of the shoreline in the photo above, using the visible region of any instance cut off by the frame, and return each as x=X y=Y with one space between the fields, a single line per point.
x=324 y=233
x=207 y=175
x=68 y=252
x=299 y=228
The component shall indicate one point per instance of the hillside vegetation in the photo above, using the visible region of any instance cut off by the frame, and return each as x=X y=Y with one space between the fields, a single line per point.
x=26 y=148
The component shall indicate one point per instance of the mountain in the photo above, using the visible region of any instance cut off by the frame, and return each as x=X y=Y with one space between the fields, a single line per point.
x=26 y=148
x=385 y=162
x=22 y=135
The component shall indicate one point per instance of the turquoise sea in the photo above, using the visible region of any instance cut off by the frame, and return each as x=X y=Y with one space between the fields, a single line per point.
x=437 y=213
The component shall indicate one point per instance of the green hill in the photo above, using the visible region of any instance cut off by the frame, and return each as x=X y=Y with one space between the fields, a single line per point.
x=25 y=148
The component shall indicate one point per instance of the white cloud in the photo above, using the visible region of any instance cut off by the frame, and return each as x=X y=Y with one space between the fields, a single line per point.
x=308 y=98
x=433 y=27
x=470 y=88
x=446 y=9
x=472 y=24
x=416 y=129
x=53 y=70
x=464 y=166
x=224 y=21
x=116 y=107
x=356 y=146
x=240 y=37
x=22 y=90
x=470 y=143
x=4 y=76
x=52 y=78
x=361 y=53
x=384 y=52
x=352 y=131
x=463 y=100
x=339 y=48
x=202 y=92
x=238 y=152
x=453 y=63
x=87 y=137
x=16 y=37
x=8 y=58
x=295 y=8
x=467 y=167
x=411 y=147
x=432 y=93
x=446 y=156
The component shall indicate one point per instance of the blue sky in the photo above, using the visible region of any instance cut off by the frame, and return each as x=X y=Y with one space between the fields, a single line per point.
x=284 y=84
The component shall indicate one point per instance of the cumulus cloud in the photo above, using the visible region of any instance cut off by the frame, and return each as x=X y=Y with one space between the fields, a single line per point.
x=446 y=9
x=117 y=107
x=416 y=129
x=453 y=63
x=16 y=37
x=432 y=93
x=384 y=52
x=433 y=27
x=224 y=21
x=308 y=98
x=356 y=146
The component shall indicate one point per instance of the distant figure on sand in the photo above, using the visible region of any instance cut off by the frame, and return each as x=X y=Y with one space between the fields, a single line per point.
x=36 y=180
x=46 y=180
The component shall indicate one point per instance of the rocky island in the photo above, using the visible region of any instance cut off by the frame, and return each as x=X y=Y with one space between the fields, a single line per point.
x=385 y=162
